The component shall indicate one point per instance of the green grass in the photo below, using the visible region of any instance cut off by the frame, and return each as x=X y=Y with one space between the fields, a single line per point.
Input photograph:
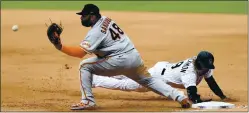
x=235 y=7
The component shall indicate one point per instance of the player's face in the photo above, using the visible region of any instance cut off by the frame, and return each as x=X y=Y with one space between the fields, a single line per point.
x=202 y=71
x=86 y=20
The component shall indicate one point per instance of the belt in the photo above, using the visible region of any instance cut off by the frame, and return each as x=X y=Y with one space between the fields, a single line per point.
x=107 y=56
x=123 y=52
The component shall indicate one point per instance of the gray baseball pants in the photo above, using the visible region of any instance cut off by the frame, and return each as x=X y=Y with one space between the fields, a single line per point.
x=129 y=64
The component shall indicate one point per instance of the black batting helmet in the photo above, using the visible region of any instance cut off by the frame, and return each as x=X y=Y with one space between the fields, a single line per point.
x=205 y=60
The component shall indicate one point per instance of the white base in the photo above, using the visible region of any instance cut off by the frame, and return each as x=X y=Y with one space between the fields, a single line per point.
x=213 y=105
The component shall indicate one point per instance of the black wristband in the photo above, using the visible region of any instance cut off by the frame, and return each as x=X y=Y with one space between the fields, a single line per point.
x=192 y=94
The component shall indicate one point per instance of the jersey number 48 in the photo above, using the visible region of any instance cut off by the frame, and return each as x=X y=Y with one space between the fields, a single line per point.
x=116 y=35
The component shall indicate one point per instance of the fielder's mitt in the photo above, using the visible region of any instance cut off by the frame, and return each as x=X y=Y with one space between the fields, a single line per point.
x=53 y=32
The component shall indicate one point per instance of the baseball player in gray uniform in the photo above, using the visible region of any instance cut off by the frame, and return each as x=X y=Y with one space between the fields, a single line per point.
x=115 y=55
x=186 y=74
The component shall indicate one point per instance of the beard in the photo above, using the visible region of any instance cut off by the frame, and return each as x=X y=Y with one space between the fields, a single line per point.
x=86 y=23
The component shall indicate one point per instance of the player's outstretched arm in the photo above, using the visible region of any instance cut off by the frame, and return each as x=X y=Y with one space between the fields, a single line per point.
x=75 y=51
x=214 y=87
x=53 y=32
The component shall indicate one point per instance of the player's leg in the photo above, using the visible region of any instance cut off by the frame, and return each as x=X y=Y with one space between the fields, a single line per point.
x=88 y=67
x=159 y=69
x=117 y=83
x=156 y=84
x=123 y=64
x=85 y=76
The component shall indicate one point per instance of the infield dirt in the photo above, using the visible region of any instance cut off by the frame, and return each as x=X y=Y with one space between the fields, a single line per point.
x=34 y=77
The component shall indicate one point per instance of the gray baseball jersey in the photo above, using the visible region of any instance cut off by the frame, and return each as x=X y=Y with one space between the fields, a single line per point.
x=106 y=39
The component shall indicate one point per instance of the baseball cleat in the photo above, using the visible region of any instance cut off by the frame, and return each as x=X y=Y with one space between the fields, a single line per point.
x=82 y=106
x=185 y=103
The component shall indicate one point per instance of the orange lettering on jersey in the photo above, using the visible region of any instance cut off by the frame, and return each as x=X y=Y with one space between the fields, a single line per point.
x=105 y=25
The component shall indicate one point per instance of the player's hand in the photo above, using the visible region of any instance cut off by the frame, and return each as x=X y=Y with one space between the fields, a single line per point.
x=227 y=99
x=202 y=100
x=206 y=100
x=199 y=100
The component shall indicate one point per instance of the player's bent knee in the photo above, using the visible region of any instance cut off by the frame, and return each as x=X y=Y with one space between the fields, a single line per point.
x=87 y=63
x=85 y=66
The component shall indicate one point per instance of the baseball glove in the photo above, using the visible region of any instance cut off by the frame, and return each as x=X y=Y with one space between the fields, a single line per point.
x=53 y=32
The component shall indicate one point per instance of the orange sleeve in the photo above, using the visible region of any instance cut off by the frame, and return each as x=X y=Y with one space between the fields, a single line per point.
x=74 y=51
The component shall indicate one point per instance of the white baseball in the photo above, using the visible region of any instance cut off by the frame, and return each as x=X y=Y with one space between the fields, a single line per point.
x=15 y=27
